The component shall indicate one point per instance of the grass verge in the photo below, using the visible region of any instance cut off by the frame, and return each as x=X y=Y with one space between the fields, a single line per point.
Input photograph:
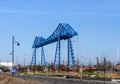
x=4 y=79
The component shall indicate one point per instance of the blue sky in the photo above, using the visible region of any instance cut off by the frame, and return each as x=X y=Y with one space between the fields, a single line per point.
x=96 y=21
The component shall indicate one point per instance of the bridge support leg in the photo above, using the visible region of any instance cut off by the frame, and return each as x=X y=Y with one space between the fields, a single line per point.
x=34 y=57
x=43 y=62
x=57 y=59
x=71 y=60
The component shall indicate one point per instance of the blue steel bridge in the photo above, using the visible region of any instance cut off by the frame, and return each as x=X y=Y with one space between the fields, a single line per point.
x=63 y=32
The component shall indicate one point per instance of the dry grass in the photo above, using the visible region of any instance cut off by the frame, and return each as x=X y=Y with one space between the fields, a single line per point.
x=109 y=75
x=12 y=80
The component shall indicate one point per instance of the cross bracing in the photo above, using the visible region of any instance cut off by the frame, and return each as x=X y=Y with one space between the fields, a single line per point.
x=62 y=32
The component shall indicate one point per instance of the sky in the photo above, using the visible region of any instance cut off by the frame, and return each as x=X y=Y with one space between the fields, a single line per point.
x=96 y=21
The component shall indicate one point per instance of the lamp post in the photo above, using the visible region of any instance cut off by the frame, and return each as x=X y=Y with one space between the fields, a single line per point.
x=13 y=42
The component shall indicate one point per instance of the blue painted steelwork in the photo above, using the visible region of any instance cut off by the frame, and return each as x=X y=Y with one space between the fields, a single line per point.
x=71 y=59
x=72 y=54
x=68 y=53
x=57 y=60
x=63 y=31
x=37 y=41
x=34 y=57
x=43 y=62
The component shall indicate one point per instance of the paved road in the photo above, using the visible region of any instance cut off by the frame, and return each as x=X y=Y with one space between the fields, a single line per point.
x=73 y=81
x=62 y=80
x=59 y=81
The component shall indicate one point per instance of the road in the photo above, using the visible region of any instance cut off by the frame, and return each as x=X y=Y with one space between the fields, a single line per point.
x=62 y=80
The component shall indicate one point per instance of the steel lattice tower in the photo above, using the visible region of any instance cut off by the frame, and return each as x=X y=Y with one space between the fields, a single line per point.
x=43 y=62
x=57 y=59
x=34 y=57
x=71 y=59
x=36 y=43
x=62 y=32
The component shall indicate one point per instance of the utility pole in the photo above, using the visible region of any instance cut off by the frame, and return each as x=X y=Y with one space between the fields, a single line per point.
x=81 y=62
x=24 y=62
x=118 y=58
x=47 y=68
x=104 y=68
x=17 y=60
x=13 y=54
x=97 y=62
x=81 y=68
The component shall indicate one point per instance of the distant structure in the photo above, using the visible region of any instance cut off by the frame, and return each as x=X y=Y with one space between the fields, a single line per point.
x=63 y=32
x=118 y=57
x=6 y=64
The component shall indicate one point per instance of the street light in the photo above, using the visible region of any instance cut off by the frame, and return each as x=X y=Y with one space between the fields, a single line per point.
x=13 y=42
